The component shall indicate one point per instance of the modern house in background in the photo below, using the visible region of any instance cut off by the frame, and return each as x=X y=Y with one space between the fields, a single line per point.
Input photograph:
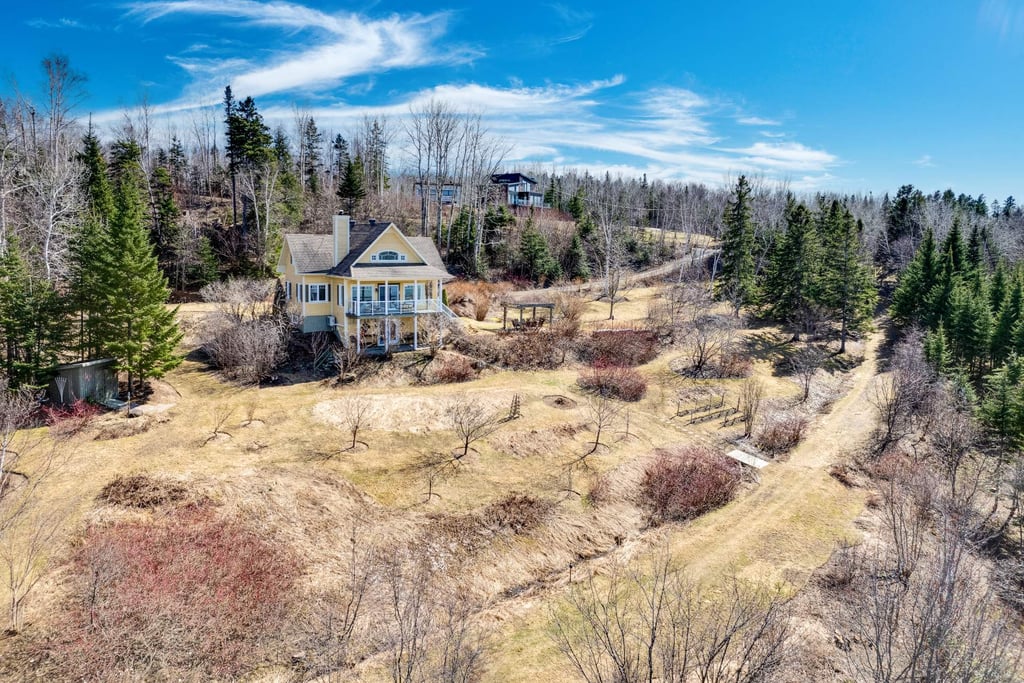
x=367 y=282
x=520 y=190
x=451 y=193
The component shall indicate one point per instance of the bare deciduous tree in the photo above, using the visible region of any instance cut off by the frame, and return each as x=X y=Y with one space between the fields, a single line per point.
x=804 y=364
x=355 y=412
x=470 y=421
x=751 y=394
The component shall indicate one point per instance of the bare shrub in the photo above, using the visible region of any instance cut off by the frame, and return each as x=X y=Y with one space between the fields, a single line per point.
x=452 y=369
x=240 y=299
x=517 y=512
x=603 y=414
x=732 y=365
x=614 y=382
x=781 y=434
x=538 y=349
x=620 y=347
x=470 y=299
x=941 y=622
x=647 y=623
x=570 y=307
x=143 y=492
x=708 y=338
x=192 y=595
x=751 y=395
x=600 y=491
x=903 y=393
x=687 y=482
x=248 y=351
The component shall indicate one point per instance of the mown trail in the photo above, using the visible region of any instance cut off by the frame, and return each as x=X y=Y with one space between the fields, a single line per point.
x=778 y=533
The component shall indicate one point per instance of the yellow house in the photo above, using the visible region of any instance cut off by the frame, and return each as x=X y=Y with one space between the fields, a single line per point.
x=367 y=282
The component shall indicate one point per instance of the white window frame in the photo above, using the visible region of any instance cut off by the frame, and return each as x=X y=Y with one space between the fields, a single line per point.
x=341 y=295
x=322 y=293
x=399 y=256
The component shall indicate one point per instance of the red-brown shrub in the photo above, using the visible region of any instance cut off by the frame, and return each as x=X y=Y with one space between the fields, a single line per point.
x=190 y=596
x=735 y=365
x=453 y=369
x=620 y=347
x=781 y=434
x=687 y=482
x=65 y=421
x=531 y=350
x=615 y=382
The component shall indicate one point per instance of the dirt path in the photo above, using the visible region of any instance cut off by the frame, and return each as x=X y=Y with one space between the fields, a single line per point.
x=779 y=533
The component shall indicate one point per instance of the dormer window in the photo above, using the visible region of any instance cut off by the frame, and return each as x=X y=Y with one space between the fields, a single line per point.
x=388 y=255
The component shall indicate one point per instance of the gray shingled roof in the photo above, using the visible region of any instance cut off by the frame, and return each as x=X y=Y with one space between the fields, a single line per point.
x=311 y=253
x=315 y=253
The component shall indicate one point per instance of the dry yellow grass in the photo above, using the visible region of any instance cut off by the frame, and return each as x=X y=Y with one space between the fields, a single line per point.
x=279 y=463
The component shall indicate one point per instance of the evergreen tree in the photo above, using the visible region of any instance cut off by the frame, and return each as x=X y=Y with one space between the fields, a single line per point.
x=974 y=247
x=99 y=198
x=134 y=326
x=938 y=301
x=791 y=284
x=736 y=280
x=352 y=190
x=848 y=283
x=936 y=349
x=575 y=264
x=535 y=262
x=1007 y=317
x=970 y=328
x=954 y=246
x=916 y=283
x=312 y=141
x=1002 y=410
x=33 y=321
x=166 y=215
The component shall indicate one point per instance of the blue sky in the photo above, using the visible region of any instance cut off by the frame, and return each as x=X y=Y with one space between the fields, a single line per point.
x=823 y=95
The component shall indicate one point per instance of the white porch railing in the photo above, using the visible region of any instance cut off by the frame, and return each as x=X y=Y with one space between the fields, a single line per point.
x=377 y=308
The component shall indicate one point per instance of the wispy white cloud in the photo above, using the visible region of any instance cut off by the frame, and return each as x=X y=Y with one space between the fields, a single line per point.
x=925 y=161
x=1005 y=18
x=601 y=125
x=338 y=46
x=63 y=22
x=757 y=121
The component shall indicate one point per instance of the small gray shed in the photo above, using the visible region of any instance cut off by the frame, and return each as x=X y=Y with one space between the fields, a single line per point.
x=95 y=380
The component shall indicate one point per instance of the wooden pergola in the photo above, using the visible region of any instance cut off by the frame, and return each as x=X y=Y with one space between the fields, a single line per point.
x=522 y=322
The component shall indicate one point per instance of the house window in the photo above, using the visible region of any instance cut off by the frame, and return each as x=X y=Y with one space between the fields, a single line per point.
x=318 y=293
x=288 y=291
x=414 y=292
x=362 y=293
x=341 y=295
x=387 y=255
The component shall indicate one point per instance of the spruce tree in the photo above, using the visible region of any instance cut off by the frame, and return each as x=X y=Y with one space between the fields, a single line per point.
x=575 y=265
x=791 y=284
x=970 y=328
x=1007 y=316
x=535 y=262
x=916 y=283
x=134 y=326
x=1002 y=410
x=352 y=190
x=33 y=321
x=848 y=282
x=954 y=246
x=736 y=280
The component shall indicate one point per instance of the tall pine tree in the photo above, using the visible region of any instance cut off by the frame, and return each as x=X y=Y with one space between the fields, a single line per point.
x=736 y=280
x=848 y=282
x=135 y=326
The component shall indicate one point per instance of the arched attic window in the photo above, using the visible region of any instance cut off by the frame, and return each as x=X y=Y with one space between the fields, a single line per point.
x=387 y=255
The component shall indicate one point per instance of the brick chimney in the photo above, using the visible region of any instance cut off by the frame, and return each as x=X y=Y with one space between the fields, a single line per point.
x=341 y=225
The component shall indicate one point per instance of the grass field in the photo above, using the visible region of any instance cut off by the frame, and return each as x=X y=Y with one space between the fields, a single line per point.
x=276 y=457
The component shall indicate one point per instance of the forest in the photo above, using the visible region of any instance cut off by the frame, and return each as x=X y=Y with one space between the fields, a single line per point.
x=910 y=303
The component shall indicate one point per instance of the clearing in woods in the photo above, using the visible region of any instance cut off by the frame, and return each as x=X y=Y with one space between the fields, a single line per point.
x=275 y=456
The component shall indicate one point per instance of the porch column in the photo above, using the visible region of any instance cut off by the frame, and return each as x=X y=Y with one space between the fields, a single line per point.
x=359 y=291
x=415 y=332
x=387 y=320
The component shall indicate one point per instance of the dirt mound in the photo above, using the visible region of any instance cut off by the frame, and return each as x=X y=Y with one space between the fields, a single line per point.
x=559 y=401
